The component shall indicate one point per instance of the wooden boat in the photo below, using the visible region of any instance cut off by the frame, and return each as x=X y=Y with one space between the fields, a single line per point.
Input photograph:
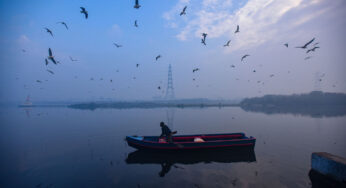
x=192 y=142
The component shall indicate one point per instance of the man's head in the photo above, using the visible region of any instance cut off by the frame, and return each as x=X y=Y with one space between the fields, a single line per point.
x=162 y=124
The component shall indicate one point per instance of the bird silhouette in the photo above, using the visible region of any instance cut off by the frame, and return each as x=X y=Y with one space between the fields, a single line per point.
x=244 y=56
x=46 y=61
x=194 y=70
x=183 y=11
x=137 y=65
x=233 y=66
x=312 y=49
x=51 y=57
x=306 y=45
x=286 y=45
x=272 y=75
x=157 y=57
x=227 y=44
x=159 y=88
x=204 y=35
x=50 y=71
x=117 y=45
x=307 y=57
x=136 y=5
x=136 y=25
x=63 y=23
x=49 y=31
x=254 y=71
x=83 y=11
x=237 y=30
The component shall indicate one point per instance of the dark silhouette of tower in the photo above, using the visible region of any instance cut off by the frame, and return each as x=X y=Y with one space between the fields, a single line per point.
x=170 y=89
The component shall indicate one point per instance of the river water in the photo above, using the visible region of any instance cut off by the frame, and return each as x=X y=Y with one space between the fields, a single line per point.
x=63 y=147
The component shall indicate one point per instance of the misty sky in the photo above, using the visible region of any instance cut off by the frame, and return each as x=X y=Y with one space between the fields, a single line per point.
x=265 y=26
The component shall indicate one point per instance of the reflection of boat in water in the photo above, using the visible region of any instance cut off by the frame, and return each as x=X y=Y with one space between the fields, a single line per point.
x=27 y=103
x=192 y=142
x=169 y=159
x=220 y=156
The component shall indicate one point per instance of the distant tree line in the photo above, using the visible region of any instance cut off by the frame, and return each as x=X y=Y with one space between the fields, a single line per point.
x=312 y=98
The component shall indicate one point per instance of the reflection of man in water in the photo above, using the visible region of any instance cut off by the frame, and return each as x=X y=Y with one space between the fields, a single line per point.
x=165 y=169
x=166 y=132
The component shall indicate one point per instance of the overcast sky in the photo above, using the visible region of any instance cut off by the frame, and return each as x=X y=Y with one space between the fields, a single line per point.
x=265 y=26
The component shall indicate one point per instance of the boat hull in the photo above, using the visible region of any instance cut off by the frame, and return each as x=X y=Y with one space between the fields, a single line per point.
x=213 y=142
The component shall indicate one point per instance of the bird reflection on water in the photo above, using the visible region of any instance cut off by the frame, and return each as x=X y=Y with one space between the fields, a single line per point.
x=169 y=159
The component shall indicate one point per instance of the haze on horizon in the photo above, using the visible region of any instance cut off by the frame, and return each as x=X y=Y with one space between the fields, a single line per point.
x=265 y=26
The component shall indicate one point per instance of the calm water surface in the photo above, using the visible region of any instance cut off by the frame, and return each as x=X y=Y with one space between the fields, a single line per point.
x=62 y=147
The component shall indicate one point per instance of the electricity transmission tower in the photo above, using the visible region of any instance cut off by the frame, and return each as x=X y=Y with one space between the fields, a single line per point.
x=170 y=89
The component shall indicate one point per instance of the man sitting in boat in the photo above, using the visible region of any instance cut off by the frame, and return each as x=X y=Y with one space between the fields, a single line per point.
x=166 y=132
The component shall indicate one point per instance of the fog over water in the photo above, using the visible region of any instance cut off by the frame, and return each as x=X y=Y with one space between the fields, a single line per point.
x=104 y=71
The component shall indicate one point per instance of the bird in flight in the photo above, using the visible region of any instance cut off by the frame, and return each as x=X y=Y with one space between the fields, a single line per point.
x=117 y=45
x=227 y=44
x=237 y=30
x=50 y=56
x=286 y=45
x=50 y=71
x=137 y=65
x=254 y=71
x=307 y=57
x=46 y=61
x=63 y=23
x=157 y=57
x=244 y=56
x=136 y=25
x=306 y=45
x=49 y=31
x=204 y=35
x=272 y=75
x=72 y=59
x=159 y=88
x=136 y=5
x=38 y=81
x=233 y=66
x=194 y=70
x=183 y=11
x=312 y=49
x=83 y=11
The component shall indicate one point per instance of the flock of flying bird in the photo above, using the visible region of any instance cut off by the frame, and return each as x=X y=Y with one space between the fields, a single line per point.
x=50 y=57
